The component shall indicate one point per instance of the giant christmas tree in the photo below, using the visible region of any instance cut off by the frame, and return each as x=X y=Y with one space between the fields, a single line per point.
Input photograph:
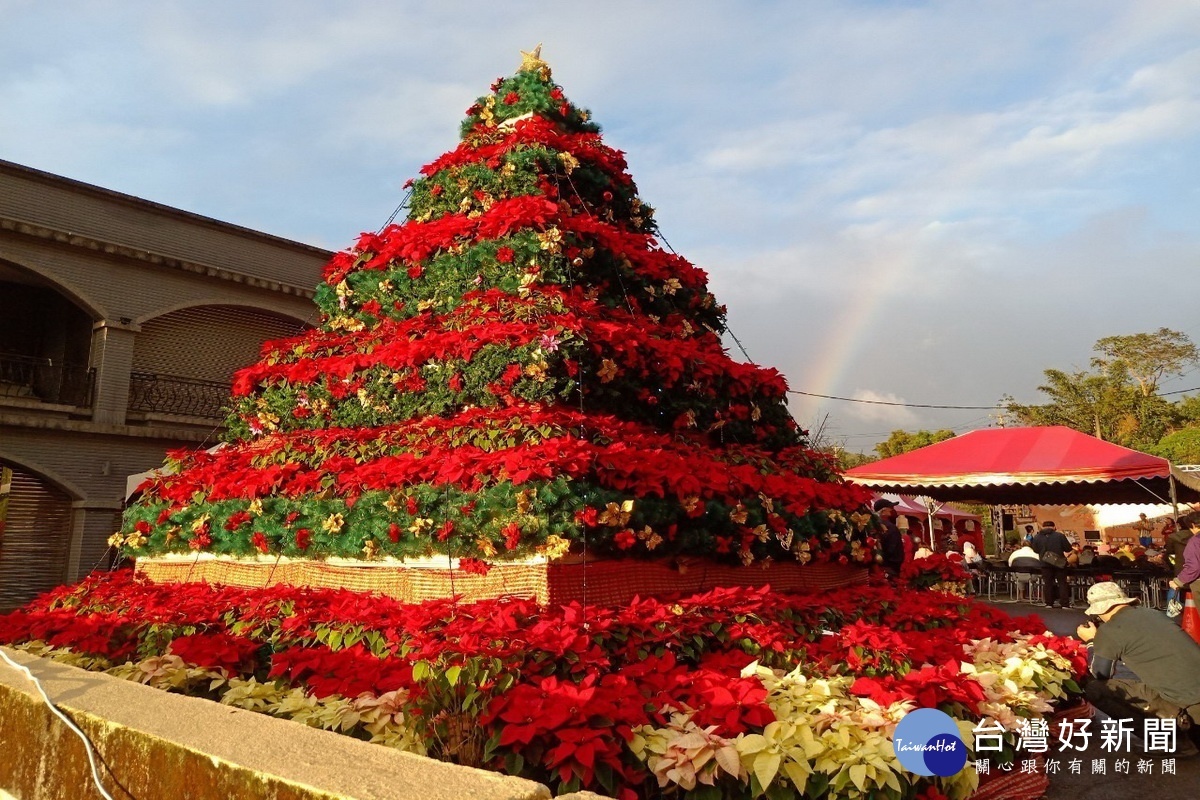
x=518 y=369
x=518 y=373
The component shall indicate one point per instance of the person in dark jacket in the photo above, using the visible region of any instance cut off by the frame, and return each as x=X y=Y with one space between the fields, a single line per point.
x=1188 y=576
x=891 y=543
x=1054 y=579
x=1175 y=542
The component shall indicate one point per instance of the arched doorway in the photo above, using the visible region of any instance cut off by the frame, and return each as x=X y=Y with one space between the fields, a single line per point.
x=35 y=535
x=45 y=341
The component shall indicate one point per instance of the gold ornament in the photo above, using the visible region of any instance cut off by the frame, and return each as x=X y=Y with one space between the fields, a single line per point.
x=532 y=61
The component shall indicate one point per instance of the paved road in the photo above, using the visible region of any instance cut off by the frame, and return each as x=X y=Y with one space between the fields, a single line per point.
x=1087 y=785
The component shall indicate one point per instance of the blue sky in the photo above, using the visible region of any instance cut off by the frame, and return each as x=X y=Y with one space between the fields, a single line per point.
x=915 y=202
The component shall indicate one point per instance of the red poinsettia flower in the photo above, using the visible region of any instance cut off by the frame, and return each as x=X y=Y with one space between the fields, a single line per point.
x=216 y=651
x=474 y=566
x=512 y=535
x=236 y=520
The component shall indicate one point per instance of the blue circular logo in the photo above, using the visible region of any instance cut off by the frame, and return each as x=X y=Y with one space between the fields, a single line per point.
x=926 y=741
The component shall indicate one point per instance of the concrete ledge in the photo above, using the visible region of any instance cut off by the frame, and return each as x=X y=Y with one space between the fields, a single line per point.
x=167 y=746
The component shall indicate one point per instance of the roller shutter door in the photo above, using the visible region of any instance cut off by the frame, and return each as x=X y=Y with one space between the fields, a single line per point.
x=36 y=540
x=207 y=343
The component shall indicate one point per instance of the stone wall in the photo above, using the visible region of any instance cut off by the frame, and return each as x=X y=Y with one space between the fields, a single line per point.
x=163 y=746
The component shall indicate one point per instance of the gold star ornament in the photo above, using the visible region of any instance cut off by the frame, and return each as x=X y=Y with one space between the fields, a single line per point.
x=532 y=62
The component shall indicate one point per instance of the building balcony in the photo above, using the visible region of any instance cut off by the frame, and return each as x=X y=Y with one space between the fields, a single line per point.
x=41 y=380
x=152 y=393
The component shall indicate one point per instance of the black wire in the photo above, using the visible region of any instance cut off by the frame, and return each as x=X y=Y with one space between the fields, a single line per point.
x=930 y=405
x=733 y=336
x=403 y=204
x=890 y=403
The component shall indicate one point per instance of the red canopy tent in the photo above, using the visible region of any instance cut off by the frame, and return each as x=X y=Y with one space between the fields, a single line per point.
x=1045 y=465
x=925 y=510
x=916 y=507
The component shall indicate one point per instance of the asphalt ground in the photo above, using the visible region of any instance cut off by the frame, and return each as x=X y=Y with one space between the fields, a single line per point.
x=1089 y=784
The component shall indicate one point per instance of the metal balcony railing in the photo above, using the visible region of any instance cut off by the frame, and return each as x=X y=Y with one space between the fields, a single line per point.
x=172 y=394
x=42 y=379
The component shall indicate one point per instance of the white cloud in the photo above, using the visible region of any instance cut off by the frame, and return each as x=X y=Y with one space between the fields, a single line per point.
x=872 y=409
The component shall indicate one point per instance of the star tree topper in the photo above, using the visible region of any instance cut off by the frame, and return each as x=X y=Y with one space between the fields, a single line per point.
x=531 y=61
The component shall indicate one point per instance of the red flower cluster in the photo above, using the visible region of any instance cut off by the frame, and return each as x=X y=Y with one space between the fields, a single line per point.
x=579 y=677
x=921 y=573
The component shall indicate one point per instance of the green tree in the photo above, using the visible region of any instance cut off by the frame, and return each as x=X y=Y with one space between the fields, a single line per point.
x=1099 y=403
x=847 y=460
x=1148 y=357
x=902 y=441
x=1108 y=403
x=1180 y=447
x=1188 y=411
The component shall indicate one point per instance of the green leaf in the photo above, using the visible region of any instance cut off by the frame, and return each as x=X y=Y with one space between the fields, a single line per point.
x=452 y=675
x=781 y=791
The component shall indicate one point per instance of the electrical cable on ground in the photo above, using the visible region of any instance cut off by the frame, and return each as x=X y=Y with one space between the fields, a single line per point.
x=87 y=743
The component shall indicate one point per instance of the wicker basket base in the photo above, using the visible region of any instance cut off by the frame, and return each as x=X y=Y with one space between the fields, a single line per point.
x=602 y=582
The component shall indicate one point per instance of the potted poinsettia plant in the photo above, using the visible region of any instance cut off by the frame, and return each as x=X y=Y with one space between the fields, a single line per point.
x=937 y=573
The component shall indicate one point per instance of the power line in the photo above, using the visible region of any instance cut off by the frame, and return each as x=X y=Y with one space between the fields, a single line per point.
x=1178 y=391
x=935 y=405
x=891 y=403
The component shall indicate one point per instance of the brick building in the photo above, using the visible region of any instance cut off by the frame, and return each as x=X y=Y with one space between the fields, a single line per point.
x=121 y=322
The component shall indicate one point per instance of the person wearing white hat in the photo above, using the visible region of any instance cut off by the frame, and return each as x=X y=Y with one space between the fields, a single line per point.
x=1164 y=658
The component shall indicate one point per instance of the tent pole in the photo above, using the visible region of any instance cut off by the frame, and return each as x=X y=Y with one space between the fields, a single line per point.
x=997 y=529
x=1174 y=497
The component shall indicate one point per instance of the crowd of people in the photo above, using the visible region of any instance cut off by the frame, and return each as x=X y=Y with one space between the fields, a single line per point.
x=899 y=546
x=1048 y=554
x=1028 y=560
x=1164 y=658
